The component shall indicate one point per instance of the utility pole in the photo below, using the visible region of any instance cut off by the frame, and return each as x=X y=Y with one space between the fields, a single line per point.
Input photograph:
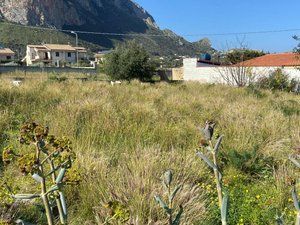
x=73 y=32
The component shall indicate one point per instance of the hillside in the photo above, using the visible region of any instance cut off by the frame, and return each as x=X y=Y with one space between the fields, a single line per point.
x=118 y=16
x=17 y=37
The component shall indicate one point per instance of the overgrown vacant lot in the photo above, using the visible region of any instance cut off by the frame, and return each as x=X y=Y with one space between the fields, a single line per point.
x=127 y=136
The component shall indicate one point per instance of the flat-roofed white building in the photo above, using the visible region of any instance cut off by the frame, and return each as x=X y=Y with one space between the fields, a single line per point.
x=208 y=72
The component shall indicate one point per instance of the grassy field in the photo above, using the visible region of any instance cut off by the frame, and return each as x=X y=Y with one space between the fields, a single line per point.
x=126 y=136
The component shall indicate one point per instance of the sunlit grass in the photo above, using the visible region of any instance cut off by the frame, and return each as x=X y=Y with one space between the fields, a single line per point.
x=127 y=135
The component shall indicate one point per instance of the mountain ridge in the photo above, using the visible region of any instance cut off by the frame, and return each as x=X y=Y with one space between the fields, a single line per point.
x=107 y=16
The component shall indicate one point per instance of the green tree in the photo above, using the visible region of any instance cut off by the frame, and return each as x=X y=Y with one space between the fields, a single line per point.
x=239 y=55
x=129 y=61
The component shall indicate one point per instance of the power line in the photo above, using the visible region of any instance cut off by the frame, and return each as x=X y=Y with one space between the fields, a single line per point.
x=157 y=35
x=246 y=33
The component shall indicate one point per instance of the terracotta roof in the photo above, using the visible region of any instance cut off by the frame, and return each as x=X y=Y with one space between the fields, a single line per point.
x=277 y=60
x=36 y=46
x=6 y=51
x=81 y=49
x=57 y=47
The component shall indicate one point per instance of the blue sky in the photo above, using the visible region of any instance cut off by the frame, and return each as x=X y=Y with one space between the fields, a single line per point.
x=223 y=16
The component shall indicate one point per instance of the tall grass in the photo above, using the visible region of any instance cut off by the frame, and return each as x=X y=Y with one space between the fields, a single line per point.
x=126 y=136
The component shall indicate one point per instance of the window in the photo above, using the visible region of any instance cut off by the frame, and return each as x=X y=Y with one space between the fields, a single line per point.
x=57 y=54
x=8 y=57
x=69 y=54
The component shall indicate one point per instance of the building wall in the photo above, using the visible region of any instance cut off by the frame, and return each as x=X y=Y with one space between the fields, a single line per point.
x=63 y=57
x=81 y=56
x=29 y=53
x=177 y=74
x=30 y=69
x=32 y=54
x=193 y=71
x=3 y=57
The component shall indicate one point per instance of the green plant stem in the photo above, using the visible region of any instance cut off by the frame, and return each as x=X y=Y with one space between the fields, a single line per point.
x=62 y=216
x=44 y=189
x=46 y=204
x=46 y=201
x=170 y=207
x=217 y=177
x=218 y=184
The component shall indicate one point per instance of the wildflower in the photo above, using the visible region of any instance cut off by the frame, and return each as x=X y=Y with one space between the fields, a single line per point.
x=257 y=196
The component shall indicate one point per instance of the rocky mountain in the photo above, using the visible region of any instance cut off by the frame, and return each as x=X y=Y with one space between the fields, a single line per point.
x=108 y=16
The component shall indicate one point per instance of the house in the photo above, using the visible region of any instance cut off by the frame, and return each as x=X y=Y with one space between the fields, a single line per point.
x=6 y=54
x=209 y=72
x=99 y=57
x=278 y=60
x=54 y=54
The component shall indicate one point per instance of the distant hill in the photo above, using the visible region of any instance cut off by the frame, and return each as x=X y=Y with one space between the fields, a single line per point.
x=109 y=16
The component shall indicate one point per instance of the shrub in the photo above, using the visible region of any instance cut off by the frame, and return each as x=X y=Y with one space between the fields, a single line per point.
x=129 y=61
x=47 y=162
x=277 y=80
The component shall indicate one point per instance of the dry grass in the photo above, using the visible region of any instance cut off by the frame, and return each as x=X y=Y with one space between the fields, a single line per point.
x=126 y=136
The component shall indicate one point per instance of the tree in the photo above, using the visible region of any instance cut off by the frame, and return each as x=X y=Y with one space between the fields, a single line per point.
x=236 y=72
x=238 y=75
x=235 y=56
x=129 y=61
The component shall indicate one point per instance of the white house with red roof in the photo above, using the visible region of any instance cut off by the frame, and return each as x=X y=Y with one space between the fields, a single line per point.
x=54 y=54
x=207 y=72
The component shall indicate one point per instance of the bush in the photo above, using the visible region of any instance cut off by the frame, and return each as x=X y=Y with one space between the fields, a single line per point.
x=277 y=80
x=239 y=55
x=129 y=61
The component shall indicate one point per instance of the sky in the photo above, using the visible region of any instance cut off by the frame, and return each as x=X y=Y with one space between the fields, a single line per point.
x=195 y=17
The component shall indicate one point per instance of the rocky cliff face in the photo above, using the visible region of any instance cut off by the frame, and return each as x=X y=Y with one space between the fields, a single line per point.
x=107 y=16
x=61 y=13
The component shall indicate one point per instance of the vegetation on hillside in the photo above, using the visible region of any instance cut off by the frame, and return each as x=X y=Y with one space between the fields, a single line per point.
x=17 y=37
x=126 y=136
